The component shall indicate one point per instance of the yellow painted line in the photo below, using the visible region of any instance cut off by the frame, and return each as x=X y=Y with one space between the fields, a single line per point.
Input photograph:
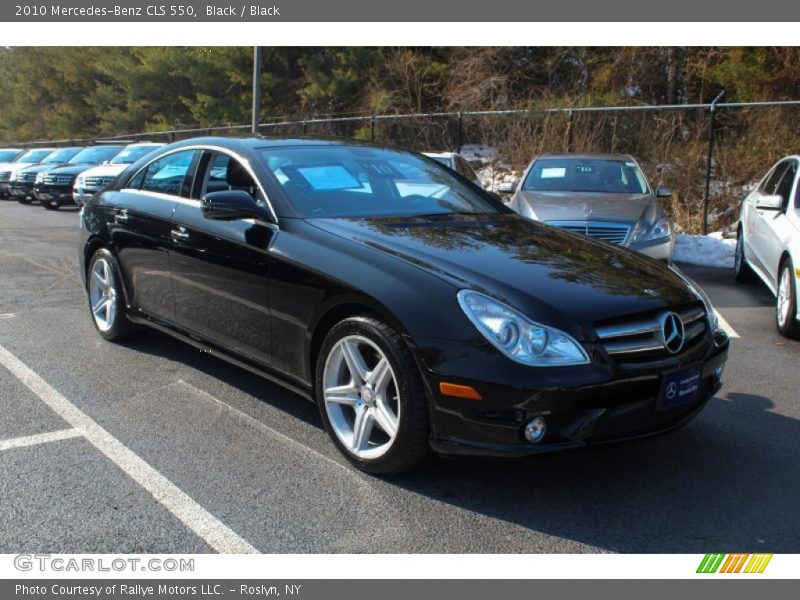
x=765 y=563
x=797 y=272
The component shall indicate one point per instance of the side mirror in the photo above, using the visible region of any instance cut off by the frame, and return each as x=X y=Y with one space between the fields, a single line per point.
x=230 y=205
x=663 y=191
x=507 y=187
x=772 y=202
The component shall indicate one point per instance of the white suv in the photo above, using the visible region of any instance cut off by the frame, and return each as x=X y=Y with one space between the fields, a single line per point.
x=88 y=183
x=768 y=240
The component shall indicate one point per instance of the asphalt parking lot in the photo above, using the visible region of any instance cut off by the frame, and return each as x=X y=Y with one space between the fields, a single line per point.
x=152 y=447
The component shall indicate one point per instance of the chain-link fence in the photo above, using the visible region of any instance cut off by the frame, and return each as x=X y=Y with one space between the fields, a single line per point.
x=708 y=154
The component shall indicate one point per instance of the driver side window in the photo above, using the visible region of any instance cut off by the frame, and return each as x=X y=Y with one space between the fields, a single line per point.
x=226 y=173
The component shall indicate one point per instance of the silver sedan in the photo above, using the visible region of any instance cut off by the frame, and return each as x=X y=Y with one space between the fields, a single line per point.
x=604 y=196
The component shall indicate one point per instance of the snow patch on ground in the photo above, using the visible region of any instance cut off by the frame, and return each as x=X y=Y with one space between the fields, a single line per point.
x=710 y=250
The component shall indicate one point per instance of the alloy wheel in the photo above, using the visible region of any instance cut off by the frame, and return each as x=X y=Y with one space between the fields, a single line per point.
x=361 y=397
x=102 y=294
x=784 y=299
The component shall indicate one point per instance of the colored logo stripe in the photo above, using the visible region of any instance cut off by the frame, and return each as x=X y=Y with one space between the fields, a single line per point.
x=734 y=563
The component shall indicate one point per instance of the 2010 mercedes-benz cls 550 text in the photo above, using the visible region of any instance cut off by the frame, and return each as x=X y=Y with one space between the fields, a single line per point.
x=414 y=308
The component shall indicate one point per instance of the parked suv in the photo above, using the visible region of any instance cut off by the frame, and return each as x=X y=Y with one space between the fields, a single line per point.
x=88 y=183
x=53 y=188
x=20 y=184
x=604 y=196
x=23 y=160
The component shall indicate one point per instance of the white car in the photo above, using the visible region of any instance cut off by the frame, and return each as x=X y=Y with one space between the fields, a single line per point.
x=91 y=181
x=457 y=163
x=768 y=240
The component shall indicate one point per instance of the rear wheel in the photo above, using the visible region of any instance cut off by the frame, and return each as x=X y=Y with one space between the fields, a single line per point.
x=25 y=200
x=786 y=302
x=371 y=396
x=107 y=298
x=50 y=205
x=742 y=270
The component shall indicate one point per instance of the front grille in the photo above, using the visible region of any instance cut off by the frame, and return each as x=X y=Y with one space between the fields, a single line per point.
x=5 y=175
x=98 y=182
x=57 y=179
x=615 y=233
x=644 y=340
x=26 y=177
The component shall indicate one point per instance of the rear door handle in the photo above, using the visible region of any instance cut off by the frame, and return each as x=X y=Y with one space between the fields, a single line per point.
x=180 y=235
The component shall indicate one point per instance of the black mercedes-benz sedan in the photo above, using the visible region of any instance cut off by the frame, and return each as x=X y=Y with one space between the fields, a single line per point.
x=414 y=308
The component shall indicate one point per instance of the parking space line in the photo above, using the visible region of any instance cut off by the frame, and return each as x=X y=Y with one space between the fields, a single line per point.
x=259 y=425
x=726 y=327
x=39 y=438
x=202 y=523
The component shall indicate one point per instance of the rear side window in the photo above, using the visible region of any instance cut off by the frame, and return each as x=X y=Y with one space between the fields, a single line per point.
x=771 y=182
x=784 y=187
x=465 y=169
x=167 y=175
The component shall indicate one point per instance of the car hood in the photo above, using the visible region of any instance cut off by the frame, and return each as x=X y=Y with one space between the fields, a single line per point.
x=552 y=276
x=42 y=168
x=104 y=171
x=584 y=206
x=68 y=169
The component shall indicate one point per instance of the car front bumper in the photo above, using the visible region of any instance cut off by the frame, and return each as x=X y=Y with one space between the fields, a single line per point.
x=586 y=405
x=660 y=249
x=21 y=190
x=54 y=194
x=82 y=195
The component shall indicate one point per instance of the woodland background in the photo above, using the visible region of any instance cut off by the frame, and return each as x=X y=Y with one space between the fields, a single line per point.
x=66 y=92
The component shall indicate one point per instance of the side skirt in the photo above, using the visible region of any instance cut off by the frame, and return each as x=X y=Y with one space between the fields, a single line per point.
x=225 y=355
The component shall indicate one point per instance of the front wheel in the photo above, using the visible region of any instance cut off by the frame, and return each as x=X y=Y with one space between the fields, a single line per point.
x=786 y=302
x=741 y=269
x=50 y=205
x=107 y=298
x=371 y=396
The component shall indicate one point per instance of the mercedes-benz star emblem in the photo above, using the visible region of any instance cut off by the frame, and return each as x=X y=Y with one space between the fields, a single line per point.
x=672 y=332
x=672 y=389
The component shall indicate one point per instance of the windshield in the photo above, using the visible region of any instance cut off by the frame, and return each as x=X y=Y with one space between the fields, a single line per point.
x=61 y=155
x=95 y=154
x=355 y=181
x=8 y=155
x=34 y=156
x=610 y=176
x=131 y=154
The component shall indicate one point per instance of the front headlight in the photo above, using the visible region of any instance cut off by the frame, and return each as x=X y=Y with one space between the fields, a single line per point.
x=661 y=229
x=519 y=338
x=79 y=181
x=39 y=178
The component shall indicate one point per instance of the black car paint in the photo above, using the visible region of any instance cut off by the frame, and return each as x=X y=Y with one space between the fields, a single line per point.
x=262 y=294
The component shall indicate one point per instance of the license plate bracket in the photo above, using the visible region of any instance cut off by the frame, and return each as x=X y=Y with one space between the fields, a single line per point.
x=680 y=387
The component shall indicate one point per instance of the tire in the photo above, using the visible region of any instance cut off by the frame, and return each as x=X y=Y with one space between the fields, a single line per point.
x=741 y=268
x=110 y=320
x=391 y=404
x=786 y=301
x=49 y=205
x=24 y=200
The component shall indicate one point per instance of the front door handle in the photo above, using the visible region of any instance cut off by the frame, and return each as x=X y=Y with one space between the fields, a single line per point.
x=121 y=216
x=180 y=235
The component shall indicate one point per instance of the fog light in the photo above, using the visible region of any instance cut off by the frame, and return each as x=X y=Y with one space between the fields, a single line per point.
x=534 y=430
